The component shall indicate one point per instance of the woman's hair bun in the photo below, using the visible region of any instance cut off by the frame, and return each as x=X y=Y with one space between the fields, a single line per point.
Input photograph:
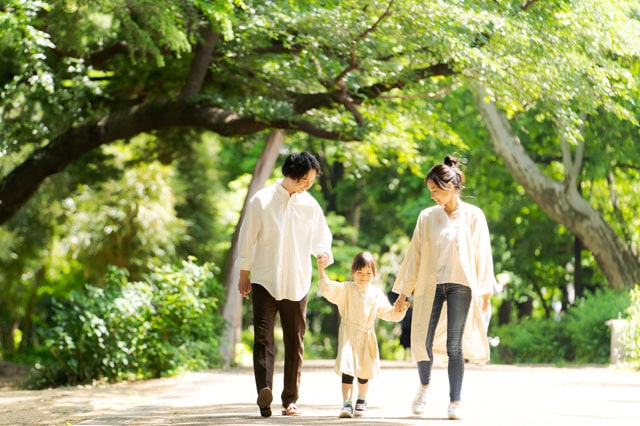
x=450 y=161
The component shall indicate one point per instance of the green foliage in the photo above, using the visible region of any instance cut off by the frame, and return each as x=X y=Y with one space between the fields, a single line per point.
x=531 y=341
x=580 y=336
x=554 y=66
x=128 y=221
x=631 y=336
x=585 y=323
x=170 y=322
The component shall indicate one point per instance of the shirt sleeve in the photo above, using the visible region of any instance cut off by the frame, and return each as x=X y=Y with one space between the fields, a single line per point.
x=322 y=236
x=385 y=311
x=248 y=236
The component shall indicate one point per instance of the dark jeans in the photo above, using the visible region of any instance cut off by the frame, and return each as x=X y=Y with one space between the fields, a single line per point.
x=458 y=299
x=293 y=321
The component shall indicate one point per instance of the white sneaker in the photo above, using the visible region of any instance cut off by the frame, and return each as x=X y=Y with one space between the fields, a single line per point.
x=419 y=401
x=454 y=411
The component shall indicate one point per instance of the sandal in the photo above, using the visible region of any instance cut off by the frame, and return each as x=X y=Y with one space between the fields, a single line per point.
x=291 y=410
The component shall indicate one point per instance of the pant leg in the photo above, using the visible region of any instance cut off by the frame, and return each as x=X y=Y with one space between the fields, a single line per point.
x=293 y=317
x=458 y=300
x=264 y=315
x=424 y=367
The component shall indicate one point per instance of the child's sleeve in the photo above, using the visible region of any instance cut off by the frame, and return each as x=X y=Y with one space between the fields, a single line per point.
x=333 y=291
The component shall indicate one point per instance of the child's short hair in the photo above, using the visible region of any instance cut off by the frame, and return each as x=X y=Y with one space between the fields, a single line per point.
x=363 y=259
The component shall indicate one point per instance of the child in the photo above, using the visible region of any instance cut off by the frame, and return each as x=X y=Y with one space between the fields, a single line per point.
x=359 y=302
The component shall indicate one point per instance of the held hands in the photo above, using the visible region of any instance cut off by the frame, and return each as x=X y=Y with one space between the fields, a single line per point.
x=401 y=303
x=323 y=260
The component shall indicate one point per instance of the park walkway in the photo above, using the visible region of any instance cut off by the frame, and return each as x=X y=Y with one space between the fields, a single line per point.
x=492 y=395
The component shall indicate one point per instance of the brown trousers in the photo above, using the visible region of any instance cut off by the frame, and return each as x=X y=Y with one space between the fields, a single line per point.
x=293 y=320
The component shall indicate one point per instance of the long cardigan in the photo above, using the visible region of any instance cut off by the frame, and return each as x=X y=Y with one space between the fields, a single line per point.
x=417 y=275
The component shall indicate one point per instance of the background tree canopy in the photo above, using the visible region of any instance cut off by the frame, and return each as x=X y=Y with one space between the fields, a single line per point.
x=130 y=130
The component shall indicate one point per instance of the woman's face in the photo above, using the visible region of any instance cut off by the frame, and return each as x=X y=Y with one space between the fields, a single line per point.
x=439 y=195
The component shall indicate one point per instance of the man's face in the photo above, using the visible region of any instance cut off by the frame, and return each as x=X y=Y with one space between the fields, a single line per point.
x=306 y=181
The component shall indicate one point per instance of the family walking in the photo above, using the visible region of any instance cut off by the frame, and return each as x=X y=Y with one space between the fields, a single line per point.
x=448 y=269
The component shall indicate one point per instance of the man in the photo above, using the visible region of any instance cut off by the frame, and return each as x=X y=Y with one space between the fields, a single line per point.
x=282 y=228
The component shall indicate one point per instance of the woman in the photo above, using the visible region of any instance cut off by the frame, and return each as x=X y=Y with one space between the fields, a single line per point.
x=449 y=269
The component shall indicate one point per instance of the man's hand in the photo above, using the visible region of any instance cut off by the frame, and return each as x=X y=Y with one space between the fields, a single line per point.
x=244 y=284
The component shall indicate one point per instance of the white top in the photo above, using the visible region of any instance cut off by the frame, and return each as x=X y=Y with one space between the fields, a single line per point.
x=277 y=237
x=449 y=264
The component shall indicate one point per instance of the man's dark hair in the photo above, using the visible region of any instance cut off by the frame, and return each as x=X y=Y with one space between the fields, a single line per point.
x=297 y=165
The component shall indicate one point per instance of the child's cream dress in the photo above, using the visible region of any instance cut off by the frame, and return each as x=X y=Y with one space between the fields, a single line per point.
x=359 y=308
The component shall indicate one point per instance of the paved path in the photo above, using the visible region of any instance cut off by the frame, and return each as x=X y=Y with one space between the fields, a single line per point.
x=492 y=395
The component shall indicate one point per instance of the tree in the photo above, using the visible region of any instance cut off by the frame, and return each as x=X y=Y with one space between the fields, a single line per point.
x=79 y=75
x=233 y=308
x=562 y=200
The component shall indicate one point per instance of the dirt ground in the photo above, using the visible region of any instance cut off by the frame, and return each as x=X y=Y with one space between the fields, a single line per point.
x=68 y=405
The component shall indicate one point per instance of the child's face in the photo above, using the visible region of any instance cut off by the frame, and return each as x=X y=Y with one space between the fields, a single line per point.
x=363 y=276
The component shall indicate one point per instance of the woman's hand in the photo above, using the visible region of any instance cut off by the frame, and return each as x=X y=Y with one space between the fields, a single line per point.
x=486 y=302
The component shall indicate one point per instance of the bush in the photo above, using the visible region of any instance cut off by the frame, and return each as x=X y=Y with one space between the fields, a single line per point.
x=580 y=336
x=631 y=338
x=532 y=341
x=585 y=325
x=170 y=322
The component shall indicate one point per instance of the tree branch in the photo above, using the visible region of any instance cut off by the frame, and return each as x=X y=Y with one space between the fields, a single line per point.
x=22 y=182
x=200 y=64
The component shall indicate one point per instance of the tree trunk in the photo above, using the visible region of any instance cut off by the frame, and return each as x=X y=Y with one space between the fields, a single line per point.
x=232 y=311
x=560 y=200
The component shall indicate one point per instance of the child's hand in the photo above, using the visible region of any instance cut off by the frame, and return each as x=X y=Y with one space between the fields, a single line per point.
x=323 y=260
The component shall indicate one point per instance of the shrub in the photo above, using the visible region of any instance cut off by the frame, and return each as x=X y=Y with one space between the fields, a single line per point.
x=585 y=325
x=579 y=336
x=170 y=322
x=531 y=341
x=631 y=338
